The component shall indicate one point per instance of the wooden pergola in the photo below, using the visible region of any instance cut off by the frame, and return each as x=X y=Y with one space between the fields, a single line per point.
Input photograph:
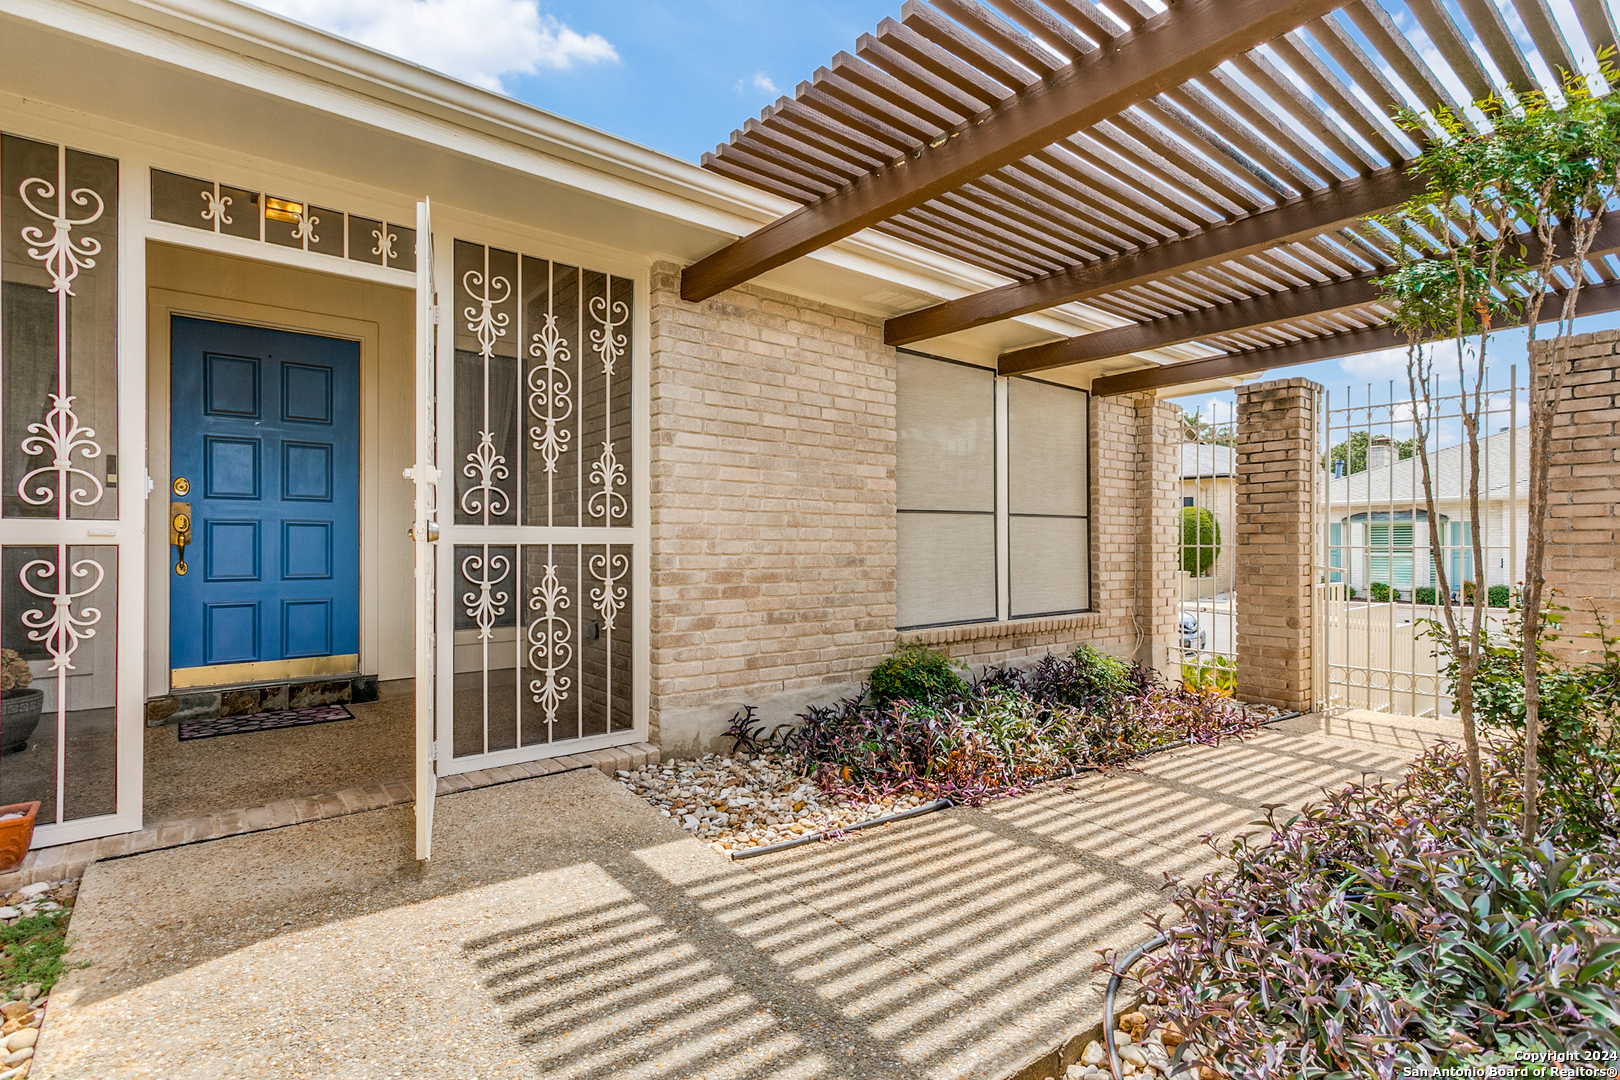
x=1198 y=176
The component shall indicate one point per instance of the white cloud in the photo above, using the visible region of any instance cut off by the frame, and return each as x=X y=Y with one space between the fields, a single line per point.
x=1374 y=366
x=760 y=82
x=1218 y=411
x=479 y=41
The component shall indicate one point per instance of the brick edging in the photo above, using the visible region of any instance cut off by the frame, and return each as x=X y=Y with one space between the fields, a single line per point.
x=947 y=635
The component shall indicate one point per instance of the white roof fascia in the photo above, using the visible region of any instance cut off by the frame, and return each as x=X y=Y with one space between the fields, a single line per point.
x=244 y=45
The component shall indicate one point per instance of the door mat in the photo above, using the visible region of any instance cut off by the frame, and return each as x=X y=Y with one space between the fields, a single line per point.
x=264 y=721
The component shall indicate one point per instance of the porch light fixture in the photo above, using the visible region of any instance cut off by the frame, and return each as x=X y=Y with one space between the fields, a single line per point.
x=282 y=210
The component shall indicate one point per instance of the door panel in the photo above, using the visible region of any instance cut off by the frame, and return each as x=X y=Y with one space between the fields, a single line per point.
x=265 y=432
x=541 y=546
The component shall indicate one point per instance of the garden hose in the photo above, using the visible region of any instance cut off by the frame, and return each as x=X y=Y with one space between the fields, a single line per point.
x=1116 y=975
x=926 y=808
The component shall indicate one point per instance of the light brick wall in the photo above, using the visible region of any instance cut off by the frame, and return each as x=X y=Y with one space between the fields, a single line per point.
x=773 y=515
x=772 y=485
x=1276 y=454
x=1583 y=513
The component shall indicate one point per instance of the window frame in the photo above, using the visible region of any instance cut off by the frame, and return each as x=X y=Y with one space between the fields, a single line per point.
x=1002 y=440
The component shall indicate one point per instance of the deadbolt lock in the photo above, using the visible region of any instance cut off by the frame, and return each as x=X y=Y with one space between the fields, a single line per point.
x=182 y=486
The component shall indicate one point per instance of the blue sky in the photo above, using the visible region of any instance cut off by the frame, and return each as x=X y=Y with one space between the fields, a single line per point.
x=674 y=75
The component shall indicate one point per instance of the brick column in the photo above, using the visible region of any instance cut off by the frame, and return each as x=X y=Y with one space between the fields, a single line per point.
x=1583 y=473
x=1276 y=472
x=1158 y=543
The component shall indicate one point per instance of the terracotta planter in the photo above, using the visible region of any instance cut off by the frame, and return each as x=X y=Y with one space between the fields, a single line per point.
x=19 y=715
x=16 y=834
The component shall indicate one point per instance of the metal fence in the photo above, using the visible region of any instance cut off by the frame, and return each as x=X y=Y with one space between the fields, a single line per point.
x=1205 y=652
x=1380 y=586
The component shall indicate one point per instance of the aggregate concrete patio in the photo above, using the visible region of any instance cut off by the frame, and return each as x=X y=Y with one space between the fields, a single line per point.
x=563 y=929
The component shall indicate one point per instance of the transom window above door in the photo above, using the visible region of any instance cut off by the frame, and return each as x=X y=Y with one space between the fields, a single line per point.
x=219 y=208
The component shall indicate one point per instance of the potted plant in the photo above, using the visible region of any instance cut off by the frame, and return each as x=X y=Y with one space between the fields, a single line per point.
x=20 y=702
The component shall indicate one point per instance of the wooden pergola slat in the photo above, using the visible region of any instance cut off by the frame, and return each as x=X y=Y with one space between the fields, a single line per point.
x=1255 y=313
x=1300 y=218
x=1184 y=42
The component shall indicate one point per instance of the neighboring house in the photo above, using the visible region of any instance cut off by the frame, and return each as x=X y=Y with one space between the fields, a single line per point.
x=1206 y=481
x=320 y=369
x=1378 y=522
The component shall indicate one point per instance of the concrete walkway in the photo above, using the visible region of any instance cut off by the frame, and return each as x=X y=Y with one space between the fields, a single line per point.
x=563 y=930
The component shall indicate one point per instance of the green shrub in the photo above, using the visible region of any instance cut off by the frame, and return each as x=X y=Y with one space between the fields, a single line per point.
x=1425 y=594
x=1106 y=680
x=1212 y=674
x=918 y=674
x=1498 y=596
x=1379 y=591
x=1200 y=540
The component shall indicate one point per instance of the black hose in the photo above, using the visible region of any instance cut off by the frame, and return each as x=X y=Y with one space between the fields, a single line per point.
x=942 y=804
x=926 y=808
x=1118 y=973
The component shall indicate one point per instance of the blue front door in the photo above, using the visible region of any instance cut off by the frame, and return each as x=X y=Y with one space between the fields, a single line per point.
x=265 y=449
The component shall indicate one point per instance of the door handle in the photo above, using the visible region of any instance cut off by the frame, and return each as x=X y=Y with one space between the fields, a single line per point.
x=180 y=532
x=432 y=532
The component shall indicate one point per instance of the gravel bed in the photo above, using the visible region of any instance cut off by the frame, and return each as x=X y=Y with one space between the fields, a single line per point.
x=766 y=798
x=1143 y=1053
x=746 y=802
x=23 y=1008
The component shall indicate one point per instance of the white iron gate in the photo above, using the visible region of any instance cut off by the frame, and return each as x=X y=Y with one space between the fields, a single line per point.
x=540 y=628
x=1205 y=652
x=1380 y=587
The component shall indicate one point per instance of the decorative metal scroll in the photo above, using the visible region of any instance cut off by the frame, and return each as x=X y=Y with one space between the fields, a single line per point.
x=65 y=251
x=60 y=628
x=551 y=392
x=485 y=464
x=549 y=647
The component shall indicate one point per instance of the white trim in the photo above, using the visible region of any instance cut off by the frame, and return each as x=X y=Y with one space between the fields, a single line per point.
x=450 y=225
x=1003 y=436
x=449 y=766
x=259 y=251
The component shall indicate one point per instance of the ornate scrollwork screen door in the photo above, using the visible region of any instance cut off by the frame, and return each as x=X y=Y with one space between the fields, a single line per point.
x=61 y=578
x=540 y=543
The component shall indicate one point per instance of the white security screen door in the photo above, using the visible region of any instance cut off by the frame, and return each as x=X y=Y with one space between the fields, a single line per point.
x=71 y=540
x=424 y=531
x=540 y=550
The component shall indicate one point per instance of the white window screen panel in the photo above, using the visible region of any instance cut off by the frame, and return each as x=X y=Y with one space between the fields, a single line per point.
x=946 y=453
x=947 y=569
x=1051 y=565
x=1047 y=432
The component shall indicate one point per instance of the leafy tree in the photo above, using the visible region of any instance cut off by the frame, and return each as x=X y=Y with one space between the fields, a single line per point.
x=1511 y=207
x=1196 y=429
x=1200 y=540
x=1353 y=451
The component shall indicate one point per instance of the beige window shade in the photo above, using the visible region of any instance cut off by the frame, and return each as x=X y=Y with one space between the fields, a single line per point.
x=1048 y=499
x=945 y=477
x=946 y=453
x=947 y=569
x=1050 y=563
x=1047 y=433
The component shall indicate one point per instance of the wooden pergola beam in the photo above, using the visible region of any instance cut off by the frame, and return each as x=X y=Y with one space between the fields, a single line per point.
x=1309 y=215
x=1595 y=299
x=1235 y=317
x=1189 y=40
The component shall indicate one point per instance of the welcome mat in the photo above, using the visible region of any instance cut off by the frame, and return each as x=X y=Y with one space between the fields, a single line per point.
x=264 y=721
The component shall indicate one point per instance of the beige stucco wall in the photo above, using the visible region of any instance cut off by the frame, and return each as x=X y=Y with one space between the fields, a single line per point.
x=382 y=319
x=773 y=515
